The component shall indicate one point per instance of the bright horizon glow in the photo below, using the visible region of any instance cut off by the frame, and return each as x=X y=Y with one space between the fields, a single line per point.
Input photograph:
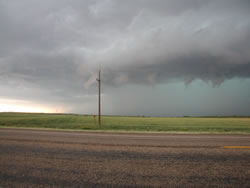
x=8 y=105
x=17 y=108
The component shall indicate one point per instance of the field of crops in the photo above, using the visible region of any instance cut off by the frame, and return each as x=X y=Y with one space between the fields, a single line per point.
x=123 y=123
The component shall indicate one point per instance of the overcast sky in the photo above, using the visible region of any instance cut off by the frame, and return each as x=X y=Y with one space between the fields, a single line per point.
x=158 y=57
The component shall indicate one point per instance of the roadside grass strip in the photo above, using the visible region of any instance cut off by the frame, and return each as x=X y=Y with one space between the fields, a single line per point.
x=199 y=125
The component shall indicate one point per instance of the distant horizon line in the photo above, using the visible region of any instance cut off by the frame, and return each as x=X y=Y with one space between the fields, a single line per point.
x=146 y=116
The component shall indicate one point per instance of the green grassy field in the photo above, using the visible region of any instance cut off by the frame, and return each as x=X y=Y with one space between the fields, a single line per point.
x=136 y=124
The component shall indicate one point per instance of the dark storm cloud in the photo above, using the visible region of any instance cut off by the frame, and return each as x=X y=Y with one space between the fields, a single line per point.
x=205 y=68
x=58 y=45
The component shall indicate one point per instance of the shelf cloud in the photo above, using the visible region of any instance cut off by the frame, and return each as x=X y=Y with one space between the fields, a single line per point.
x=58 y=45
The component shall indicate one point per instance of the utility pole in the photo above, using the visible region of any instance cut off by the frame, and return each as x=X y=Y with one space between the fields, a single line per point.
x=99 y=97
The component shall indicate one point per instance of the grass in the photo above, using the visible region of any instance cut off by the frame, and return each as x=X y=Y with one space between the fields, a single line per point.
x=123 y=123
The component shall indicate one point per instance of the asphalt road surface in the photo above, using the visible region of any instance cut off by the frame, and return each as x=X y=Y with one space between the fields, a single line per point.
x=41 y=158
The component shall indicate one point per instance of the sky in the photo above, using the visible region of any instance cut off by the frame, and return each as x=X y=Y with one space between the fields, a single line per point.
x=157 y=57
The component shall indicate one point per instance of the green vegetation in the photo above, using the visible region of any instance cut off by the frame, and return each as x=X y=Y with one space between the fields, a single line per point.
x=122 y=123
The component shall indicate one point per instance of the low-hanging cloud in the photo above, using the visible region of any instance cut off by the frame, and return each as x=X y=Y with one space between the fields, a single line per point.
x=59 y=45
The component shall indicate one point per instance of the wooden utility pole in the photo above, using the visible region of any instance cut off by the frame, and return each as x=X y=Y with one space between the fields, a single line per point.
x=99 y=101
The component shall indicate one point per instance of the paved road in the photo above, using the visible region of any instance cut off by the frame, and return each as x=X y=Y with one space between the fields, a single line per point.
x=41 y=158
